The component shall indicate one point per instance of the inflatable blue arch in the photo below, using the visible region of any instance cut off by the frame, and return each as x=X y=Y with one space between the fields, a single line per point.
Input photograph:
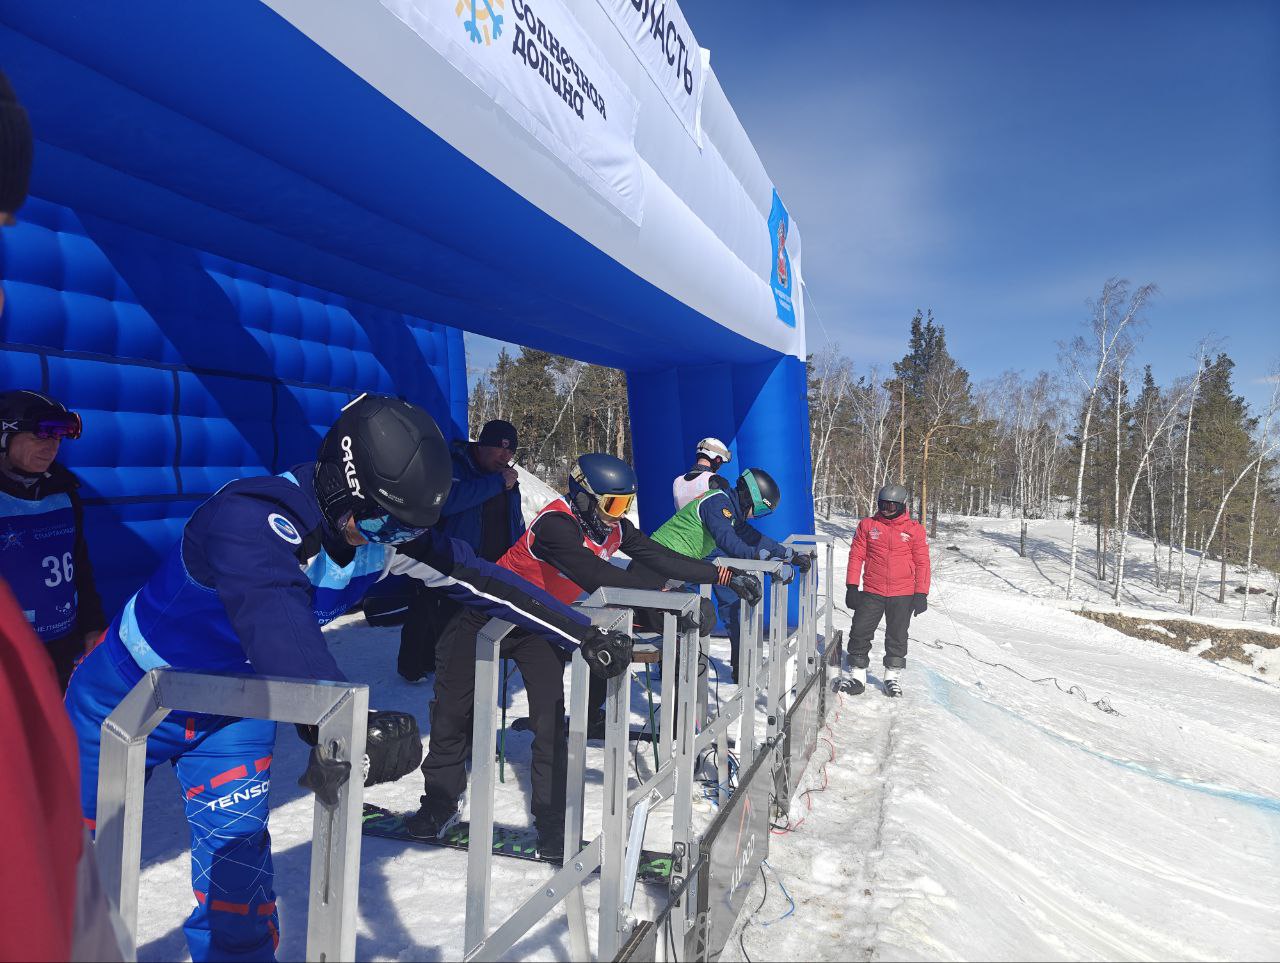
x=243 y=213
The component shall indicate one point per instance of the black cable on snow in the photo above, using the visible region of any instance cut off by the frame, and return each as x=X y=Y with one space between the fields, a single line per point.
x=1101 y=704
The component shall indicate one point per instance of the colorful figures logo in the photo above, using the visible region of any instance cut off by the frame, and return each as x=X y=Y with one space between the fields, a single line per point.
x=478 y=27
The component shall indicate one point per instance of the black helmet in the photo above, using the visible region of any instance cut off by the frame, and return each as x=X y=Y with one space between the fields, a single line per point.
x=602 y=481
x=37 y=413
x=384 y=463
x=758 y=491
x=895 y=497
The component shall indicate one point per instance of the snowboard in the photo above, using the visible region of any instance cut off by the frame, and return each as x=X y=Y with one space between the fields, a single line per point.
x=636 y=735
x=507 y=841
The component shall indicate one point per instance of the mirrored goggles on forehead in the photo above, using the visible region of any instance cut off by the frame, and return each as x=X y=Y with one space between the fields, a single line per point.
x=615 y=506
x=59 y=426
x=388 y=531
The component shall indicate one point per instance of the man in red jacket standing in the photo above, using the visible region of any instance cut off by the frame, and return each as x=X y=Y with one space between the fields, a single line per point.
x=889 y=559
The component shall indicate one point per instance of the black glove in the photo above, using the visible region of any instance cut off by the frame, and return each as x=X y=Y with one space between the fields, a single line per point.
x=852 y=597
x=607 y=653
x=324 y=776
x=802 y=561
x=747 y=585
x=393 y=747
x=919 y=603
x=704 y=621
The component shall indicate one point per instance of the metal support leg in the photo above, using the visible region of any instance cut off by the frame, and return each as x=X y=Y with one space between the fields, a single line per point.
x=777 y=660
x=484 y=732
x=667 y=708
x=749 y=668
x=684 y=838
x=340 y=711
x=335 y=836
x=635 y=846
x=613 y=829
x=575 y=801
x=831 y=590
x=122 y=763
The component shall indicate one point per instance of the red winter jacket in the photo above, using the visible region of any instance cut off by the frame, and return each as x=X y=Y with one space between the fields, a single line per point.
x=40 y=822
x=896 y=554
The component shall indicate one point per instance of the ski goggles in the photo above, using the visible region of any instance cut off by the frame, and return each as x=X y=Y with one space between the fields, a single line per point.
x=387 y=530
x=55 y=426
x=615 y=506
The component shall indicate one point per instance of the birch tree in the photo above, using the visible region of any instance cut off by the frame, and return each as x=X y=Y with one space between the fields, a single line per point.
x=1186 y=474
x=1152 y=431
x=1257 y=478
x=1272 y=446
x=1107 y=329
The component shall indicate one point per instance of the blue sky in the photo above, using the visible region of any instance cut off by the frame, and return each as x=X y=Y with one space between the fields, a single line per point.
x=996 y=162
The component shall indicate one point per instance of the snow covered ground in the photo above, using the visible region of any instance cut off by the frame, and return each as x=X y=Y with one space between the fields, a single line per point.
x=982 y=816
x=987 y=816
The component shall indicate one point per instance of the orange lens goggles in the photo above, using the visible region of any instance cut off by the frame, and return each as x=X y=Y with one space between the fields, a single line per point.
x=615 y=506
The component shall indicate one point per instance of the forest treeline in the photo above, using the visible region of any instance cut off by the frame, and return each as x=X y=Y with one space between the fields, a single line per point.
x=1187 y=463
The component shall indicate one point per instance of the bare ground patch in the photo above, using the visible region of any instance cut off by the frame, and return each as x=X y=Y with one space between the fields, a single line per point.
x=1184 y=634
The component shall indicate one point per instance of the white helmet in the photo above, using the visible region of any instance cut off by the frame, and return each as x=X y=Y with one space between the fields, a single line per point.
x=714 y=448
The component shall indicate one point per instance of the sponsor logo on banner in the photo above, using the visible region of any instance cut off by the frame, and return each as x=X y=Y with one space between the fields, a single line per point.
x=780 y=272
x=483 y=24
x=534 y=60
x=662 y=41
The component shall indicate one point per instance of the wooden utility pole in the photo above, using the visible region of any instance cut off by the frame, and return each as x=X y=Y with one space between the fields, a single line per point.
x=924 y=471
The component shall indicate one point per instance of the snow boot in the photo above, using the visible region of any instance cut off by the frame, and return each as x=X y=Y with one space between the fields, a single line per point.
x=892 y=687
x=855 y=683
x=550 y=838
x=432 y=821
x=595 y=725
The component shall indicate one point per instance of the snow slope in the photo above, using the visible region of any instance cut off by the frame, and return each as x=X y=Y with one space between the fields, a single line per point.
x=983 y=816
x=986 y=816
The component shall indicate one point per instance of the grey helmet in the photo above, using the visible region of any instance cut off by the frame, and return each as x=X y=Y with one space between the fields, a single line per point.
x=892 y=500
x=893 y=493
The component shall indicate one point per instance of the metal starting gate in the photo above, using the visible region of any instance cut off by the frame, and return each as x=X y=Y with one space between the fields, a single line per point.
x=771 y=721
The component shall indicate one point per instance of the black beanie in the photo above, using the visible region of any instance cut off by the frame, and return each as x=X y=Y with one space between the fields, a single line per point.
x=15 y=149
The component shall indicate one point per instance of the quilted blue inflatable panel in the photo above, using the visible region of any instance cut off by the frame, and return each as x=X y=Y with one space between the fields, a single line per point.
x=191 y=370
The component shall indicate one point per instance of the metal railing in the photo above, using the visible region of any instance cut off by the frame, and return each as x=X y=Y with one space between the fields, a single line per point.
x=340 y=711
x=777 y=662
x=616 y=850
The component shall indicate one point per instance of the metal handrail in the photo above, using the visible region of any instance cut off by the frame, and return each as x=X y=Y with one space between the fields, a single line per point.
x=340 y=710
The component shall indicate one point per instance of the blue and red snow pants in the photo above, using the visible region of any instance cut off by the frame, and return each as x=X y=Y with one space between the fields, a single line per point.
x=224 y=770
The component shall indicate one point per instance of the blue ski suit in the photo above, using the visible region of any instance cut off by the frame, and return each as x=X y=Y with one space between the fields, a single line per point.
x=735 y=538
x=255 y=575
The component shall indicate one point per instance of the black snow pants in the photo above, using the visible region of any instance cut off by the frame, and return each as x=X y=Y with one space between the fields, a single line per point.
x=542 y=666
x=896 y=610
x=430 y=612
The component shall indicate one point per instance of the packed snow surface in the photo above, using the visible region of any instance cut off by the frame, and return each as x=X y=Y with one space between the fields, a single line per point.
x=1048 y=788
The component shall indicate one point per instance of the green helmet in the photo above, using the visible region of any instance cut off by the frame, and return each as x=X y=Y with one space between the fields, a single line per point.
x=758 y=491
